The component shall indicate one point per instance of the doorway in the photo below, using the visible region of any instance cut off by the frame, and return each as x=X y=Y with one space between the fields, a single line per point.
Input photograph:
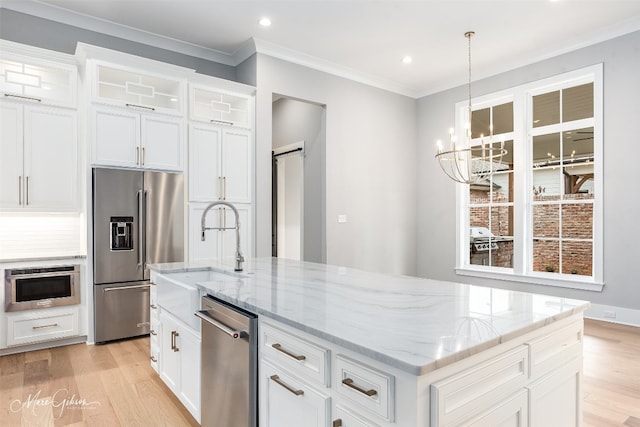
x=298 y=179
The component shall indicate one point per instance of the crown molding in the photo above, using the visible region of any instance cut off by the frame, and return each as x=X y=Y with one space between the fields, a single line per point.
x=80 y=20
x=300 y=58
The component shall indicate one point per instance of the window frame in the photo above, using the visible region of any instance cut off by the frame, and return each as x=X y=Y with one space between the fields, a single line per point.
x=523 y=132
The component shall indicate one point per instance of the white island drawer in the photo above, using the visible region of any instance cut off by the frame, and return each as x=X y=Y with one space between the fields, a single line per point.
x=41 y=325
x=469 y=392
x=556 y=349
x=372 y=389
x=302 y=357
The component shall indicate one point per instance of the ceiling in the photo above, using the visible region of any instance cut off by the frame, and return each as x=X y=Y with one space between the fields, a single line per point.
x=362 y=39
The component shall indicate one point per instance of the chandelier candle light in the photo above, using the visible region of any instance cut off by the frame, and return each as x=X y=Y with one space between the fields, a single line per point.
x=465 y=163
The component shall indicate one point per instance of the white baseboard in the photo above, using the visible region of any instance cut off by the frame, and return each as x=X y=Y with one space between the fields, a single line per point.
x=610 y=313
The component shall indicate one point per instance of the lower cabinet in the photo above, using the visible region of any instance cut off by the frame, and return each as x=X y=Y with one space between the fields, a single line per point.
x=179 y=361
x=289 y=401
x=33 y=326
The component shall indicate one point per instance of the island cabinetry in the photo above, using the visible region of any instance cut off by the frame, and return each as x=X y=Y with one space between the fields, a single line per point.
x=179 y=361
x=127 y=138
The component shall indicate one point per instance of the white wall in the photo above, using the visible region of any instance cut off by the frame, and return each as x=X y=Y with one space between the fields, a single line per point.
x=370 y=166
x=436 y=193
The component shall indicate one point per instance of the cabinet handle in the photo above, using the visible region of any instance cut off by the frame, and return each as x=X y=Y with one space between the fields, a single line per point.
x=173 y=337
x=152 y=332
x=224 y=218
x=144 y=107
x=142 y=156
x=337 y=423
x=278 y=381
x=52 y=325
x=153 y=359
x=349 y=383
x=175 y=345
x=224 y=188
x=222 y=122
x=27 y=192
x=28 y=98
x=137 y=155
x=20 y=190
x=153 y=307
x=282 y=350
x=219 y=188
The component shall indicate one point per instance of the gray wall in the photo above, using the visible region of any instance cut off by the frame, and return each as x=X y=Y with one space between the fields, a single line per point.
x=295 y=121
x=30 y=30
x=436 y=193
x=370 y=166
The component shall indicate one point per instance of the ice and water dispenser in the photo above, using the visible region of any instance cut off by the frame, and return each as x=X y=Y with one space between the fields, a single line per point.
x=121 y=233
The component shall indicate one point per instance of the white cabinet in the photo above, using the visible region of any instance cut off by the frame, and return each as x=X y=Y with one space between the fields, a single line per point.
x=127 y=138
x=33 y=326
x=218 y=243
x=217 y=106
x=219 y=164
x=179 y=361
x=289 y=401
x=38 y=158
x=25 y=77
x=131 y=87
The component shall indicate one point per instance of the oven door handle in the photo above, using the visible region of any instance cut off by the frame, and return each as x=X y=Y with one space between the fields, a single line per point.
x=204 y=315
x=125 y=288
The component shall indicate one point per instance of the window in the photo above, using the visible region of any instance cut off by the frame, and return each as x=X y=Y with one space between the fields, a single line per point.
x=538 y=218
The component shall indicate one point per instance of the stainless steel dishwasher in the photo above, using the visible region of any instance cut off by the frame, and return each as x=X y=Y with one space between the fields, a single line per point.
x=229 y=365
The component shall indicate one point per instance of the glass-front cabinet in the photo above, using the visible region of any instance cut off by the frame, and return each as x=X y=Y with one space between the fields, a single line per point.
x=219 y=107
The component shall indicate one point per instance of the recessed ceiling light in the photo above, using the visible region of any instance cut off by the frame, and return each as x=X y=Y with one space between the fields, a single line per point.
x=265 y=22
x=407 y=60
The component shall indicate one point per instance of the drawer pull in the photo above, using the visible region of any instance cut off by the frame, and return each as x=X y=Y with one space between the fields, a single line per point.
x=153 y=359
x=52 y=325
x=337 y=423
x=154 y=307
x=349 y=383
x=278 y=381
x=152 y=332
x=282 y=350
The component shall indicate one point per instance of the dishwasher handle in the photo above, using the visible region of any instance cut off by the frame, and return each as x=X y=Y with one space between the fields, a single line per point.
x=204 y=315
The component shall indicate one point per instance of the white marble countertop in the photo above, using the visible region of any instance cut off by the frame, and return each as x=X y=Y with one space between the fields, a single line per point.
x=416 y=325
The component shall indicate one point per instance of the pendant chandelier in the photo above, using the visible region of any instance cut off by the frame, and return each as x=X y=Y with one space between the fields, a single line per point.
x=463 y=162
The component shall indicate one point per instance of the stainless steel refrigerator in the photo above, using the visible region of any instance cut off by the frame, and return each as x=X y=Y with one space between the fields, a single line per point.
x=138 y=219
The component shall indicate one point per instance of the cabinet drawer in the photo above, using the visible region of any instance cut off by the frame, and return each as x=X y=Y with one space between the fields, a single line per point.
x=370 y=388
x=552 y=351
x=471 y=391
x=41 y=326
x=345 y=417
x=302 y=357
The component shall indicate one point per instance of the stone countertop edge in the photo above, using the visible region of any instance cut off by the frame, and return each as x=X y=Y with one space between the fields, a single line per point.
x=410 y=368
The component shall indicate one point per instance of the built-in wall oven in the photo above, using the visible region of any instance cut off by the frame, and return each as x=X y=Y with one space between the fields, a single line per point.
x=41 y=287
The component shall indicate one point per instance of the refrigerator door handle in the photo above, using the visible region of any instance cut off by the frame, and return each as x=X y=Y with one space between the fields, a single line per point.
x=144 y=229
x=140 y=227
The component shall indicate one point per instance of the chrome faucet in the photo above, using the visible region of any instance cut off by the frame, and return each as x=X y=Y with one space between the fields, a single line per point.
x=203 y=227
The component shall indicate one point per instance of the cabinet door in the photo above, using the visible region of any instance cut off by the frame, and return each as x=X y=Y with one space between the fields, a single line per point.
x=188 y=345
x=116 y=138
x=344 y=417
x=287 y=401
x=10 y=155
x=236 y=166
x=205 y=177
x=210 y=248
x=169 y=362
x=50 y=158
x=162 y=143
x=511 y=413
x=556 y=399
x=228 y=249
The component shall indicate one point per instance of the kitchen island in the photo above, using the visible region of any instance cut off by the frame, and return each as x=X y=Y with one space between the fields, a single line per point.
x=343 y=347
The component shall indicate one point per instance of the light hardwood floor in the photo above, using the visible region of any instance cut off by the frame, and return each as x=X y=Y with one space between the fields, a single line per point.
x=113 y=384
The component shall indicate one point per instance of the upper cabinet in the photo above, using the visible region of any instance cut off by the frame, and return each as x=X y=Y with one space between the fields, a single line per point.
x=36 y=80
x=219 y=107
x=127 y=87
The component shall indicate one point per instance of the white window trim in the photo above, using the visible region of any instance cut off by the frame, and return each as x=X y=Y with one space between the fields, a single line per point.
x=521 y=96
